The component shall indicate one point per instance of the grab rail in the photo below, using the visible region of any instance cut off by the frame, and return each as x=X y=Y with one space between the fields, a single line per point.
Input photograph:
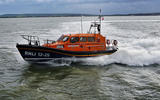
x=32 y=40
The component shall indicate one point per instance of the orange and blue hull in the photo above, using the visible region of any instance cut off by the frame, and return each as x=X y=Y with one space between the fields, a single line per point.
x=40 y=53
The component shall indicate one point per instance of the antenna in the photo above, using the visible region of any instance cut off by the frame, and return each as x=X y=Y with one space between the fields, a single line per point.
x=100 y=19
x=81 y=24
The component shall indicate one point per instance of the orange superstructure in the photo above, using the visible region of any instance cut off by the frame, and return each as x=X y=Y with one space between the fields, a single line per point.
x=79 y=42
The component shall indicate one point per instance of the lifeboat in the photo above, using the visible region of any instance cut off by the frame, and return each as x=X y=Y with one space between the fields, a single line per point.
x=90 y=44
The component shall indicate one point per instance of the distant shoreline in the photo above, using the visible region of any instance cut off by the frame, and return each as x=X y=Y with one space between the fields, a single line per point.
x=70 y=15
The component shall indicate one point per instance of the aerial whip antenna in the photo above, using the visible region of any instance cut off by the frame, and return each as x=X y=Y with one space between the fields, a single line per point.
x=100 y=19
x=81 y=24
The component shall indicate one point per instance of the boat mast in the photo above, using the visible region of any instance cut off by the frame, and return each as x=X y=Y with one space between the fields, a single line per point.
x=96 y=24
x=100 y=19
x=81 y=24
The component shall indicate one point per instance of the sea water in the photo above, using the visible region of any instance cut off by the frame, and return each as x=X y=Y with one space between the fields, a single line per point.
x=132 y=73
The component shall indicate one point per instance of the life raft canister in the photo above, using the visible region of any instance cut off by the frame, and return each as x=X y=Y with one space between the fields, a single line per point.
x=115 y=42
x=108 y=42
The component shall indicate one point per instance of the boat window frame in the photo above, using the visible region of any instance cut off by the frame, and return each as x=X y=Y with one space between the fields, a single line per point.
x=66 y=39
x=91 y=37
x=83 y=37
x=71 y=41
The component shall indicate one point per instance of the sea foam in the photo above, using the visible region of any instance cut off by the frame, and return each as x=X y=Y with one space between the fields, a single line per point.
x=136 y=48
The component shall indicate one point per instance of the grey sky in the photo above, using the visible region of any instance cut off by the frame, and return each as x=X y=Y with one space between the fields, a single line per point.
x=79 y=6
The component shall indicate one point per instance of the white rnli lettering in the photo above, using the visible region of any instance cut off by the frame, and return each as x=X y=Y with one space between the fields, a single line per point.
x=28 y=53
x=39 y=54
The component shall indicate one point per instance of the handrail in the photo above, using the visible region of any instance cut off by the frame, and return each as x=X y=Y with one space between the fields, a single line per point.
x=32 y=40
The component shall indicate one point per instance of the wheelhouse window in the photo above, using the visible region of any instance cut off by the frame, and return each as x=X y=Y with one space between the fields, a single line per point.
x=83 y=39
x=91 y=39
x=74 y=39
x=65 y=38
